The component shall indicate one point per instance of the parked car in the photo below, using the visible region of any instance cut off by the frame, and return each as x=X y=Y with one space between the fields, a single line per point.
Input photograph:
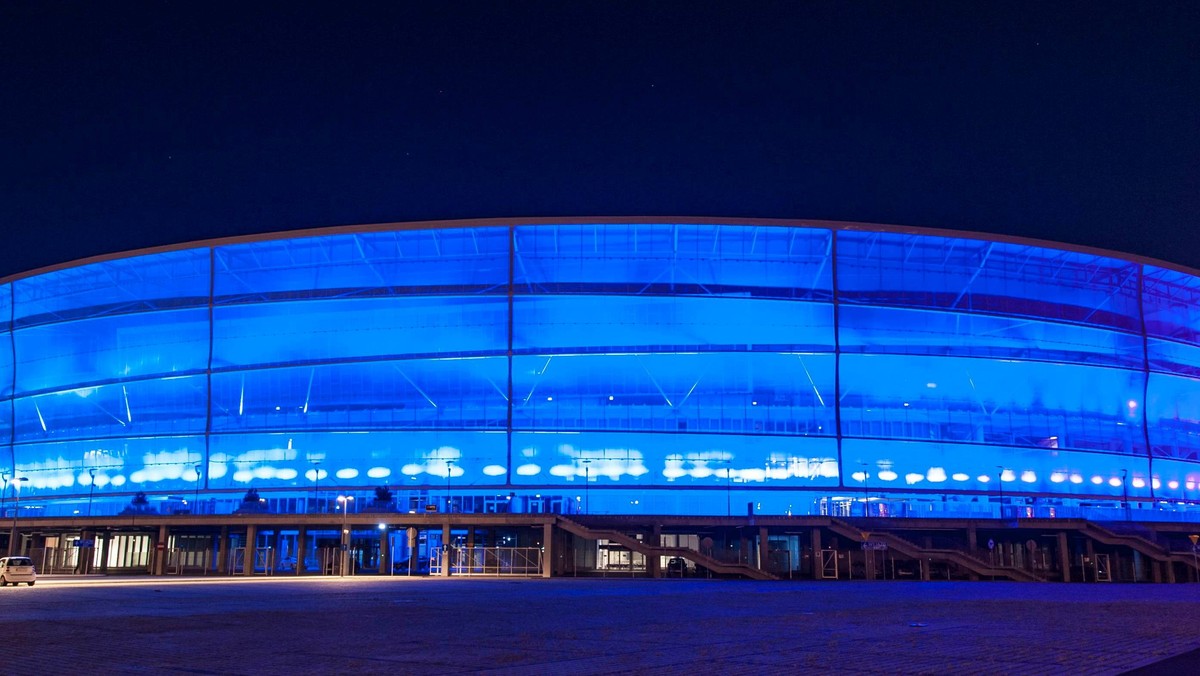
x=17 y=569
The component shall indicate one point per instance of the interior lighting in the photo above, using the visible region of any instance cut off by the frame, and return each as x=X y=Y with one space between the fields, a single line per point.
x=932 y=386
x=1155 y=483
x=906 y=404
x=1114 y=482
x=1008 y=475
x=1028 y=476
x=1132 y=404
x=960 y=476
x=754 y=403
x=1097 y=479
x=936 y=474
x=1057 y=477
x=983 y=478
x=1138 y=482
x=549 y=398
x=913 y=477
x=887 y=475
x=610 y=397
x=1172 y=484
x=1191 y=485
x=1076 y=478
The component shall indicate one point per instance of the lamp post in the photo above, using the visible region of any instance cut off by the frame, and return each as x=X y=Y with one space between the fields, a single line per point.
x=1125 y=493
x=91 y=489
x=3 y=492
x=1000 y=486
x=12 y=536
x=449 y=473
x=196 y=502
x=344 y=501
x=866 y=491
x=316 y=484
x=587 y=484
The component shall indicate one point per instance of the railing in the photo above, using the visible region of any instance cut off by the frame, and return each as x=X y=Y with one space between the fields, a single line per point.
x=488 y=561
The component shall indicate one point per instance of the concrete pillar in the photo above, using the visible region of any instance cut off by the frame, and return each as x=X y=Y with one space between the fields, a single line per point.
x=446 y=549
x=816 y=554
x=548 y=548
x=223 y=551
x=385 y=551
x=1064 y=557
x=301 y=549
x=87 y=553
x=924 y=569
x=248 y=558
x=1170 y=571
x=276 y=539
x=654 y=561
x=1156 y=568
x=105 y=540
x=763 y=548
x=160 y=552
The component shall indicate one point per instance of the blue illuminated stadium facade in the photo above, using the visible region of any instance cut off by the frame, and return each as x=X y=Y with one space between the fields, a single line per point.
x=652 y=366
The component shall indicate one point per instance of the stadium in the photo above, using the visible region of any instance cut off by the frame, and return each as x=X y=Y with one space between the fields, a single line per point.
x=595 y=367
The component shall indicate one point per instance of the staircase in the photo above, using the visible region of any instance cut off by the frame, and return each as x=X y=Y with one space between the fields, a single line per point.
x=648 y=550
x=1137 y=543
x=956 y=556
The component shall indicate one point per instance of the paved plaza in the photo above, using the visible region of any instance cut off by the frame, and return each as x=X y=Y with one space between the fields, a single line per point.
x=588 y=626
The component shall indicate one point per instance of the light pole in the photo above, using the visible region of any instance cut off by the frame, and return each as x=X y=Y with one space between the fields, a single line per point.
x=344 y=501
x=316 y=484
x=1000 y=486
x=449 y=473
x=196 y=502
x=866 y=491
x=91 y=489
x=12 y=536
x=1125 y=493
x=3 y=493
x=587 y=484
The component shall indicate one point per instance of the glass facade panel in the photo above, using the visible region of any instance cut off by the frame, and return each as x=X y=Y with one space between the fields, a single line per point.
x=333 y=330
x=175 y=279
x=745 y=393
x=122 y=465
x=1171 y=302
x=931 y=466
x=717 y=461
x=657 y=324
x=1001 y=402
x=60 y=356
x=700 y=359
x=397 y=262
x=409 y=394
x=920 y=331
x=902 y=270
x=1173 y=416
x=170 y=406
x=658 y=259
x=347 y=459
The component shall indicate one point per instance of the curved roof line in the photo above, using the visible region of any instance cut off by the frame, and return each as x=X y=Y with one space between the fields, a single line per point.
x=599 y=220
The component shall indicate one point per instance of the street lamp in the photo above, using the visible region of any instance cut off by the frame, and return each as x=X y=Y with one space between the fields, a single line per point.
x=449 y=473
x=344 y=501
x=196 y=502
x=316 y=483
x=1000 y=486
x=1125 y=492
x=91 y=489
x=12 y=536
x=587 y=484
x=866 y=491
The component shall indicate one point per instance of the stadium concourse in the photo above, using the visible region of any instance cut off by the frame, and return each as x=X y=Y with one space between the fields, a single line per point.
x=606 y=396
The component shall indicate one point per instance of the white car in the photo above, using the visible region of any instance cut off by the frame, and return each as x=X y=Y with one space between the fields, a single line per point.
x=17 y=569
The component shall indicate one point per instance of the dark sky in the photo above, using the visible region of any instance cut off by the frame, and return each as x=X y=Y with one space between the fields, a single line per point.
x=125 y=125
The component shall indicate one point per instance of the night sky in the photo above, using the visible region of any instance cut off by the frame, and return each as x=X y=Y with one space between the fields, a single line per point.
x=126 y=125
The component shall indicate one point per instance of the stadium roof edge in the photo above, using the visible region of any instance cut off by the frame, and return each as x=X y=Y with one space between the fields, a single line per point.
x=598 y=220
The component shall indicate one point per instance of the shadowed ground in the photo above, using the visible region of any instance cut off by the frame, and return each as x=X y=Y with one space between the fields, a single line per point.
x=407 y=625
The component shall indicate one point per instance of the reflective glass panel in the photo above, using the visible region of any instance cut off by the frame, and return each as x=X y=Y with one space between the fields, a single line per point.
x=978 y=276
x=170 y=406
x=80 y=353
x=600 y=459
x=662 y=259
x=410 y=394
x=395 y=262
x=174 y=279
